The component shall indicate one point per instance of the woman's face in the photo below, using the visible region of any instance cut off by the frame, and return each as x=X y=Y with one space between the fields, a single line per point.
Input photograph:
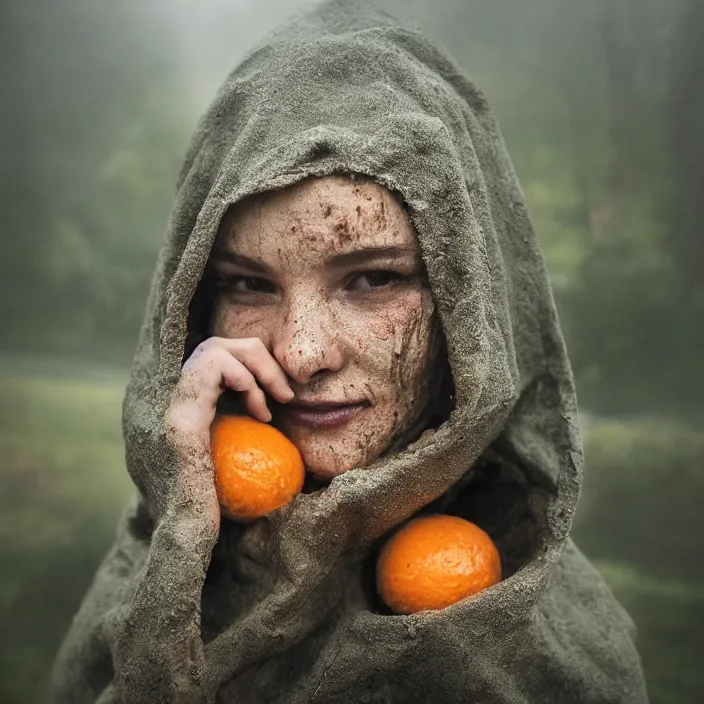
x=328 y=274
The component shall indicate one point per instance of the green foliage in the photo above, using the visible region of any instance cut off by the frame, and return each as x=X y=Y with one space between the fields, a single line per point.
x=638 y=519
x=91 y=140
x=99 y=261
x=650 y=470
x=63 y=486
x=668 y=614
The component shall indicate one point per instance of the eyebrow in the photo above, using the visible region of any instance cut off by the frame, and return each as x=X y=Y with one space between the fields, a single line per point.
x=370 y=254
x=365 y=255
x=222 y=254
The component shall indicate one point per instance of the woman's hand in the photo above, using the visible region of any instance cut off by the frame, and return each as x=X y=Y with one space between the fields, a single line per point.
x=243 y=365
x=158 y=652
x=219 y=363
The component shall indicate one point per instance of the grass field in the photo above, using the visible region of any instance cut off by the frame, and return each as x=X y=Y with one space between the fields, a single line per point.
x=64 y=483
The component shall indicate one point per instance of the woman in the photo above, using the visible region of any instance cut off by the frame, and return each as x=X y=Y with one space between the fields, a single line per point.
x=348 y=230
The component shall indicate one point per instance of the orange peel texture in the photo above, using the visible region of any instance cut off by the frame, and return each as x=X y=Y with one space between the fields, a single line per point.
x=435 y=561
x=257 y=468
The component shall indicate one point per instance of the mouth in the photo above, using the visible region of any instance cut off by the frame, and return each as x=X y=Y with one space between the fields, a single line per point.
x=322 y=415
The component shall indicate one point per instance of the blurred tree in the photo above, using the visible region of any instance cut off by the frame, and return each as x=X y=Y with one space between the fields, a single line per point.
x=686 y=204
x=629 y=322
x=600 y=104
x=85 y=96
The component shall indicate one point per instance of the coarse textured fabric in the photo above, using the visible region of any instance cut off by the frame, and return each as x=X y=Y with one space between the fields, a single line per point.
x=285 y=610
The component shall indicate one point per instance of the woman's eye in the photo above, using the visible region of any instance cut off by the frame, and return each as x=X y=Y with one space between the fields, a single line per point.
x=376 y=279
x=245 y=284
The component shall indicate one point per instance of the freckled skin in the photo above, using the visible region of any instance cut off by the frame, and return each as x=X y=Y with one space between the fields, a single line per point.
x=336 y=337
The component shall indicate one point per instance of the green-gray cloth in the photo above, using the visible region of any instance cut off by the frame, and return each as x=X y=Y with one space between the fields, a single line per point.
x=285 y=611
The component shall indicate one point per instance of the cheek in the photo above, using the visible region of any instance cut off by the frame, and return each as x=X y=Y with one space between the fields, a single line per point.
x=409 y=363
x=395 y=342
x=238 y=321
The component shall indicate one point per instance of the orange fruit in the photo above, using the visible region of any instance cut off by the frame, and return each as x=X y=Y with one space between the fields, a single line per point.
x=435 y=561
x=257 y=468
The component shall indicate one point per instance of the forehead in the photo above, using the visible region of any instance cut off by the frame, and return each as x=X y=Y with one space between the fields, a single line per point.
x=330 y=213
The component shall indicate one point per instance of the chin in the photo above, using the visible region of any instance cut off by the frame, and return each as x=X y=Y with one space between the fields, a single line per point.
x=325 y=471
x=328 y=453
x=323 y=463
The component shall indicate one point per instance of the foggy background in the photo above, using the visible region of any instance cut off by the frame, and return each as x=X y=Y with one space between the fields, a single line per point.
x=602 y=107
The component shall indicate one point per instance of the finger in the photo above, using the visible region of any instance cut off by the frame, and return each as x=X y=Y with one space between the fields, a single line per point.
x=252 y=352
x=196 y=354
x=211 y=368
x=208 y=373
x=201 y=376
x=238 y=378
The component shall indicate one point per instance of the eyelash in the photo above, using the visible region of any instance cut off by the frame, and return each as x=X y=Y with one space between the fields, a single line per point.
x=395 y=276
x=228 y=283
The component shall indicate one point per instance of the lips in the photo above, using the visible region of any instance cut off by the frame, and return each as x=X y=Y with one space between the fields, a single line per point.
x=323 y=415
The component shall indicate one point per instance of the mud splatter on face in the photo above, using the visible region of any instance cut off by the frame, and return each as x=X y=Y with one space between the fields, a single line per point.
x=328 y=274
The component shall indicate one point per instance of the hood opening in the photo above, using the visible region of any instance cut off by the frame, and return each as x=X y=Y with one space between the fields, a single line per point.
x=495 y=493
x=439 y=405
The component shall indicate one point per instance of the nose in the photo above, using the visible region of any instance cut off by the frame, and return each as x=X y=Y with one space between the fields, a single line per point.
x=307 y=343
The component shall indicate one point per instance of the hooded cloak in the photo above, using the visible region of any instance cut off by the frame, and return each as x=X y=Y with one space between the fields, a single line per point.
x=285 y=610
